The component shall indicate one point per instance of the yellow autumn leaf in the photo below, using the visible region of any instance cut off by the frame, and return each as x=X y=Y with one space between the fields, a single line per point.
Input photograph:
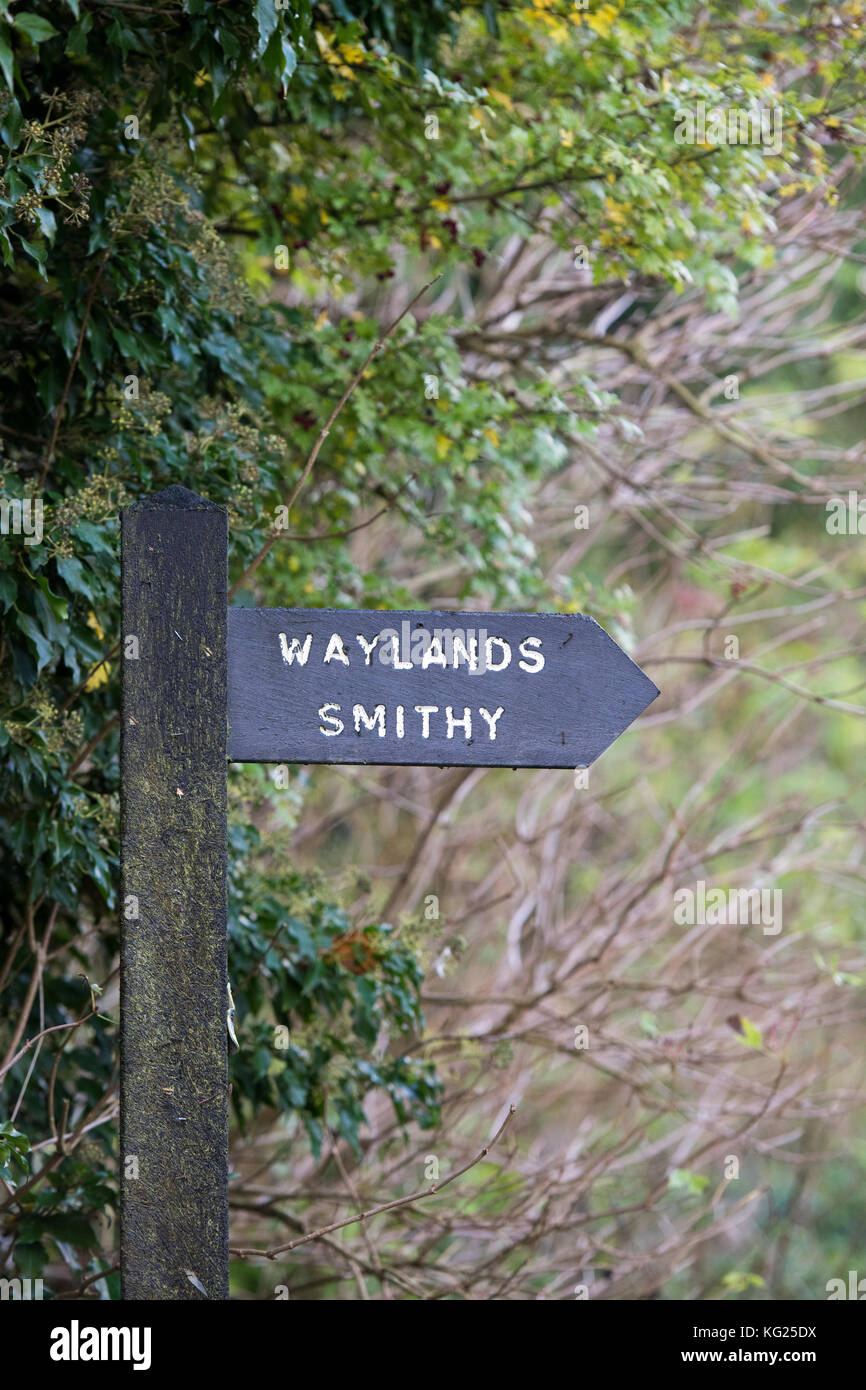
x=94 y=625
x=552 y=23
x=201 y=78
x=352 y=53
x=492 y=436
x=441 y=205
x=320 y=321
x=443 y=444
x=434 y=241
x=750 y=1033
x=566 y=138
x=602 y=21
x=99 y=676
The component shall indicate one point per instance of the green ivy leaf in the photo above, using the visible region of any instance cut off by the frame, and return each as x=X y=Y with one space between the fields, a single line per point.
x=76 y=44
x=94 y=536
x=267 y=19
x=8 y=589
x=71 y=1227
x=35 y=252
x=31 y=629
x=34 y=26
x=73 y=574
x=290 y=58
x=6 y=61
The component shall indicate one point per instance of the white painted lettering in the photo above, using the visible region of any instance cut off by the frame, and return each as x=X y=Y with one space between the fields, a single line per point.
x=295 y=650
x=369 y=647
x=425 y=712
x=491 y=718
x=399 y=664
x=336 y=651
x=370 y=720
x=488 y=654
x=464 y=723
x=531 y=656
x=331 y=719
x=460 y=651
x=434 y=655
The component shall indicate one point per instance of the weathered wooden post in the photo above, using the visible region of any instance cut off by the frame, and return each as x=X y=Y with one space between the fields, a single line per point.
x=173 y=1086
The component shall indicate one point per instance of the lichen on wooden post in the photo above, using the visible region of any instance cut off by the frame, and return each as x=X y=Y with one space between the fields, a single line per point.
x=173 y=1096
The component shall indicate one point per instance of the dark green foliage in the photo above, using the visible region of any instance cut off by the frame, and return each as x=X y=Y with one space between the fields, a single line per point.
x=316 y=991
x=111 y=270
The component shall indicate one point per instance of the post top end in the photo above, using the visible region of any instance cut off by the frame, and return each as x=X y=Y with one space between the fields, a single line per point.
x=176 y=497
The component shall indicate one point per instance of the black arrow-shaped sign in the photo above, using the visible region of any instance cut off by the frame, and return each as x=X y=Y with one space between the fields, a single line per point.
x=448 y=689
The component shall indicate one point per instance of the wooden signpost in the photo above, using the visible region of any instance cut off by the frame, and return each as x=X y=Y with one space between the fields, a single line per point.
x=451 y=689
x=203 y=683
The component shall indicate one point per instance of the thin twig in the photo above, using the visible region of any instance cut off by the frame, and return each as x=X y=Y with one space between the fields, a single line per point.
x=55 y=1028
x=350 y=530
x=385 y=1206
x=91 y=1279
x=58 y=414
x=323 y=433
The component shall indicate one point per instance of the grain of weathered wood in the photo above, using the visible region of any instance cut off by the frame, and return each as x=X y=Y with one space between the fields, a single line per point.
x=174 y=1124
x=563 y=713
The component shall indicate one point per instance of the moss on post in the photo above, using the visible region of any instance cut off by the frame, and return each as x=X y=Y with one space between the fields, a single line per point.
x=174 y=1120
